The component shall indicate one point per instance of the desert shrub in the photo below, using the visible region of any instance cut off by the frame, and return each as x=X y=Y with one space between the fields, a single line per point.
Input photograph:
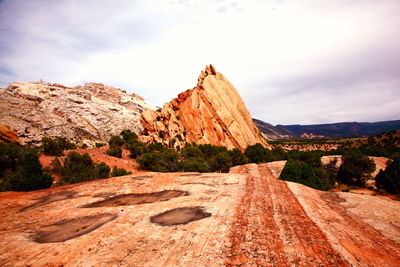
x=191 y=151
x=56 y=146
x=210 y=150
x=256 y=153
x=136 y=149
x=355 y=169
x=163 y=161
x=389 y=179
x=310 y=157
x=114 y=151
x=79 y=168
x=278 y=154
x=119 y=172
x=221 y=162
x=101 y=170
x=161 y=134
x=116 y=140
x=21 y=170
x=99 y=144
x=237 y=157
x=303 y=173
x=155 y=147
x=128 y=136
x=195 y=164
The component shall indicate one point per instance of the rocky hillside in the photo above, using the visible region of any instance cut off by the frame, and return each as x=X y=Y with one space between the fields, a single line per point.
x=210 y=113
x=84 y=114
x=272 y=132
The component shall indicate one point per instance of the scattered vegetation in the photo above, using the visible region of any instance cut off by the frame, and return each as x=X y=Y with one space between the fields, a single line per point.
x=80 y=168
x=99 y=144
x=355 y=169
x=119 y=172
x=305 y=168
x=389 y=179
x=114 y=151
x=56 y=146
x=20 y=169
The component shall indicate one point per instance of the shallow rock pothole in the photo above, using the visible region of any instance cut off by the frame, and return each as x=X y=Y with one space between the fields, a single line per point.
x=68 y=229
x=135 y=199
x=180 y=216
x=54 y=197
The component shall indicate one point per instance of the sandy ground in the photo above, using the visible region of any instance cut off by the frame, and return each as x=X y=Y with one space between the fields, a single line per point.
x=244 y=218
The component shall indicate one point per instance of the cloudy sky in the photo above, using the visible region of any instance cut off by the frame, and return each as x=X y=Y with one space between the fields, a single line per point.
x=293 y=61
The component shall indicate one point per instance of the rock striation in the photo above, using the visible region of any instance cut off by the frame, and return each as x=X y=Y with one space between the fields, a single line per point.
x=210 y=113
x=7 y=135
x=84 y=114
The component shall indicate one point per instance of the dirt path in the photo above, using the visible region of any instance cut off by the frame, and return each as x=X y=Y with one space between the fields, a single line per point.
x=271 y=228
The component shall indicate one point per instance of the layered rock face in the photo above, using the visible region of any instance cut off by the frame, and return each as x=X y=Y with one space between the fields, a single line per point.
x=7 y=135
x=210 y=113
x=84 y=114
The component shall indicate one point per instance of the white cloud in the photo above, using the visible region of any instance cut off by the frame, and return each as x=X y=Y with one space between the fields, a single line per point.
x=279 y=54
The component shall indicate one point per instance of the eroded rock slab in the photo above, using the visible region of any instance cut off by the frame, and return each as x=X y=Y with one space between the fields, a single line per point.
x=243 y=218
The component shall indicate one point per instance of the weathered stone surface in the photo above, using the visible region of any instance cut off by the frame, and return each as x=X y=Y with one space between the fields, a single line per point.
x=210 y=113
x=84 y=114
x=249 y=218
x=7 y=135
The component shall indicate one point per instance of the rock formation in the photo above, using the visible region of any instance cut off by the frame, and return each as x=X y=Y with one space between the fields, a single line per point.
x=7 y=135
x=246 y=217
x=84 y=114
x=210 y=113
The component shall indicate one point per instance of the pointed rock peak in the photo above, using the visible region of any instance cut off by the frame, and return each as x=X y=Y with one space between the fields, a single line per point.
x=210 y=70
x=211 y=113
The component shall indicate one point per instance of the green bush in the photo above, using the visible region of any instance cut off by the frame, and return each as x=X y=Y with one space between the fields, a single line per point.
x=195 y=164
x=256 y=153
x=164 y=161
x=303 y=173
x=20 y=169
x=79 y=168
x=128 y=136
x=389 y=179
x=114 y=151
x=56 y=146
x=119 y=172
x=136 y=149
x=221 y=162
x=191 y=151
x=355 y=168
x=156 y=147
x=116 y=140
x=237 y=157
x=99 y=144
x=210 y=150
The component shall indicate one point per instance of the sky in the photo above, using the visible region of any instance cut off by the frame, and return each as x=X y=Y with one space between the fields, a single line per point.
x=292 y=61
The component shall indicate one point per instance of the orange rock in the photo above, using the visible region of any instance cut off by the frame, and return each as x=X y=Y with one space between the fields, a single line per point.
x=210 y=113
x=7 y=135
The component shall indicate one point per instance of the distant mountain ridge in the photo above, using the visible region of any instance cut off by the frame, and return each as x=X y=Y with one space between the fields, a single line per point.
x=331 y=130
x=273 y=132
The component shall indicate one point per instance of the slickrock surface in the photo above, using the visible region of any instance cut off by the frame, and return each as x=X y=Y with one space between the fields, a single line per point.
x=84 y=114
x=210 y=113
x=7 y=135
x=244 y=218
